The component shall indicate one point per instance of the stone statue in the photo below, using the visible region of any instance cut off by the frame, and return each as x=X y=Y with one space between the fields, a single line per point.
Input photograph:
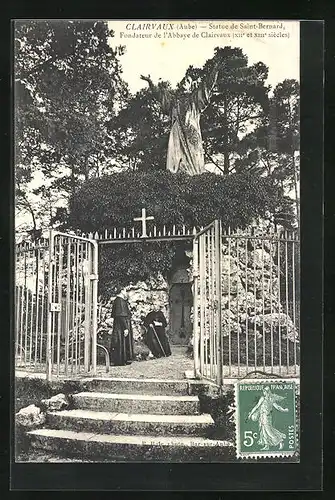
x=185 y=148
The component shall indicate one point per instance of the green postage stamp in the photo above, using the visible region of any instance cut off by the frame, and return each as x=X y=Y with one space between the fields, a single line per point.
x=266 y=419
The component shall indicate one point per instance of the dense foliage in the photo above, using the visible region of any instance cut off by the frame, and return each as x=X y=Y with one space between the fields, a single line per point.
x=115 y=200
x=67 y=86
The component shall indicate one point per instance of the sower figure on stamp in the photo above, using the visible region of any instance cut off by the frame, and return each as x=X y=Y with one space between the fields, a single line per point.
x=122 y=343
x=185 y=148
x=262 y=411
x=155 y=336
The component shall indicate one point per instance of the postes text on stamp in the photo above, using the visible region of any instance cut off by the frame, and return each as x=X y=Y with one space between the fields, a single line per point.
x=266 y=424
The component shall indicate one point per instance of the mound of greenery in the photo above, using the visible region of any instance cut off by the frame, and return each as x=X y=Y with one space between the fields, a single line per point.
x=115 y=200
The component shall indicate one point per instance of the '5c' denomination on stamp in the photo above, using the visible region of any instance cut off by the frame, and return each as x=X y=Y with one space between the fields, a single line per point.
x=266 y=422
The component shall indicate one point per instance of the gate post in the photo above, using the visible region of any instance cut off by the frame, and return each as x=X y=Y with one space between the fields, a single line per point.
x=196 y=340
x=218 y=291
x=49 y=333
x=94 y=307
x=88 y=306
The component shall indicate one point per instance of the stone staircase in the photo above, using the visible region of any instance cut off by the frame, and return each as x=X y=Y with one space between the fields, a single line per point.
x=133 y=420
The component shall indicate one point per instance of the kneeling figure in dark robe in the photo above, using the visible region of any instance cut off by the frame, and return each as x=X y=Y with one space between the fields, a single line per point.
x=155 y=336
x=122 y=342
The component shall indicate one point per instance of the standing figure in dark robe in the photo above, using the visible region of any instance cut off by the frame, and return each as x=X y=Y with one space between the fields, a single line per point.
x=155 y=336
x=122 y=342
x=185 y=149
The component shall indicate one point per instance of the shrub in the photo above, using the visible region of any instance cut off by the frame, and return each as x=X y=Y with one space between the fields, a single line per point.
x=115 y=200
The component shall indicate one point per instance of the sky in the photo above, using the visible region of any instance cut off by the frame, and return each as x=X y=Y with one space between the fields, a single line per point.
x=169 y=58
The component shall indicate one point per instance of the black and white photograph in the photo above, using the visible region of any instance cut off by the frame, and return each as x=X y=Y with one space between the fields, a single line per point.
x=157 y=241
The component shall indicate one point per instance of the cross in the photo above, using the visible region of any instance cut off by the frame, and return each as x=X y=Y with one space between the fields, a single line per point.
x=144 y=219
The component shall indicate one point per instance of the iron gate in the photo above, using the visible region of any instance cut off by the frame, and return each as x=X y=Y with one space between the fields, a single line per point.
x=207 y=336
x=56 y=305
x=246 y=303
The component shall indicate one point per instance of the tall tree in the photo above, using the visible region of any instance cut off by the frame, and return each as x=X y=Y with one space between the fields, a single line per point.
x=67 y=85
x=142 y=131
x=272 y=149
x=286 y=132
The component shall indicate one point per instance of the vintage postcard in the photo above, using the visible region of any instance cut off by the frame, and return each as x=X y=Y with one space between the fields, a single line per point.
x=157 y=252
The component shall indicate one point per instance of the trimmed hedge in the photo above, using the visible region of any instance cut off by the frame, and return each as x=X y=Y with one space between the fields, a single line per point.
x=115 y=200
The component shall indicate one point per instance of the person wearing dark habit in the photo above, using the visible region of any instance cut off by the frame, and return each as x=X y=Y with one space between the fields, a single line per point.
x=122 y=342
x=155 y=336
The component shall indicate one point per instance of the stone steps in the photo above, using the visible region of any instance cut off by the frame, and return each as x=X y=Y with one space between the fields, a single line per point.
x=138 y=403
x=134 y=424
x=139 y=386
x=149 y=420
x=167 y=387
x=125 y=448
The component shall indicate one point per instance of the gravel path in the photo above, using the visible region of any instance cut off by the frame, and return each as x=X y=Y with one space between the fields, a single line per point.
x=173 y=367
